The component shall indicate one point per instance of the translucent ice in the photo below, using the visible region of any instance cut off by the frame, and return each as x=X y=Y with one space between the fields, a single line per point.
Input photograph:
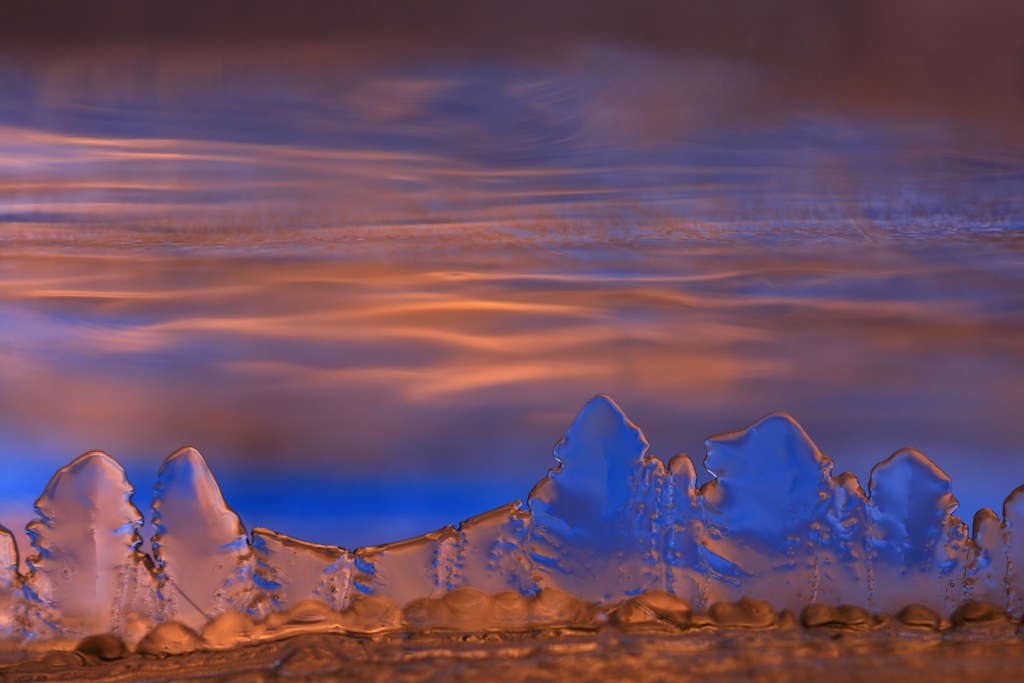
x=1013 y=534
x=10 y=581
x=424 y=566
x=986 y=567
x=597 y=515
x=200 y=545
x=88 y=575
x=291 y=570
x=918 y=550
x=766 y=513
x=491 y=551
x=609 y=528
x=486 y=552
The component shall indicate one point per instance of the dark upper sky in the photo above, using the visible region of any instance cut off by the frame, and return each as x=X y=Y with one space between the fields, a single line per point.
x=959 y=58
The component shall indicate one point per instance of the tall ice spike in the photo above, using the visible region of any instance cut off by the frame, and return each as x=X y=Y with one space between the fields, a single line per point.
x=88 y=575
x=200 y=545
x=596 y=533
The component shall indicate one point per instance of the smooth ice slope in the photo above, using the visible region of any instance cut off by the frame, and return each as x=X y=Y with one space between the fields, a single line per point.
x=609 y=522
x=200 y=545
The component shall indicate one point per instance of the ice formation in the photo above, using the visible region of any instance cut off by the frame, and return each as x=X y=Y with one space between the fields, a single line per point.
x=610 y=527
x=87 y=574
x=201 y=548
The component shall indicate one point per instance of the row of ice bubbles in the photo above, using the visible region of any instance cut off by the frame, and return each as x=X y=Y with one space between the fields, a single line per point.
x=609 y=521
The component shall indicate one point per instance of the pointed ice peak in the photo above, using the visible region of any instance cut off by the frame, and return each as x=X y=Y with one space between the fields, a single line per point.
x=908 y=484
x=769 y=476
x=185 y=483
x=1013 y=507
x=985 y=580
x=83 y=484
x=682 y=471
x=596 y=459
x=768 y=513
x=200 y=544
x=985 y=519
x=848 y=483
x=601 y=436
x=772 y=443
x=918 y=550
x=87 y=541
x=596 y=513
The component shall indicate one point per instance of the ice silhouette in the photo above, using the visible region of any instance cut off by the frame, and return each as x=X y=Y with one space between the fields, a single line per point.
x=779 y=526
x=1013 y=535
x=987 y=579
x=766 y=513
x=88 y=575
x=686 y=564
x=200 y=545
x=10 y=581
x=918 y=550
x=611 y=534
x=597 y=515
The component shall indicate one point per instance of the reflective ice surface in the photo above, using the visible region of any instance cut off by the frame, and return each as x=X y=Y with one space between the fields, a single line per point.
x=598 y=516
x=609 y=527
x=87 y=574
x=200 y=545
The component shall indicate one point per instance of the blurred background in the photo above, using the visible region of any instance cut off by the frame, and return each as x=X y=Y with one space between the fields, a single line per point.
x=371 y=258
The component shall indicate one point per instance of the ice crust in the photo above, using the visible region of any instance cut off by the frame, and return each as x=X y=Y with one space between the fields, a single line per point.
x=610 y=524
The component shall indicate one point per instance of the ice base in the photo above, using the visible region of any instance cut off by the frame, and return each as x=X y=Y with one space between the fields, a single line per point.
x=608 y=526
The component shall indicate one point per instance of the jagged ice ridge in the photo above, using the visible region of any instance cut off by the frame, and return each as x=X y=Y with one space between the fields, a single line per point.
x=609 y=521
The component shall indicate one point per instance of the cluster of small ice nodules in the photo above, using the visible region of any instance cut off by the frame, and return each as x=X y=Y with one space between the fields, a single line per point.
x=612 y=534
x=466 y=611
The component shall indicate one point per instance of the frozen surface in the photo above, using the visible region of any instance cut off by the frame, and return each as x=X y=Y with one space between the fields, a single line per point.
x=87 y=574
x=1013 y=545
x=610 y=535
x=598 y=517
x=9 y=580
x=293 y=570
x=918 y=549
x=766 y=513
x=200 y=545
